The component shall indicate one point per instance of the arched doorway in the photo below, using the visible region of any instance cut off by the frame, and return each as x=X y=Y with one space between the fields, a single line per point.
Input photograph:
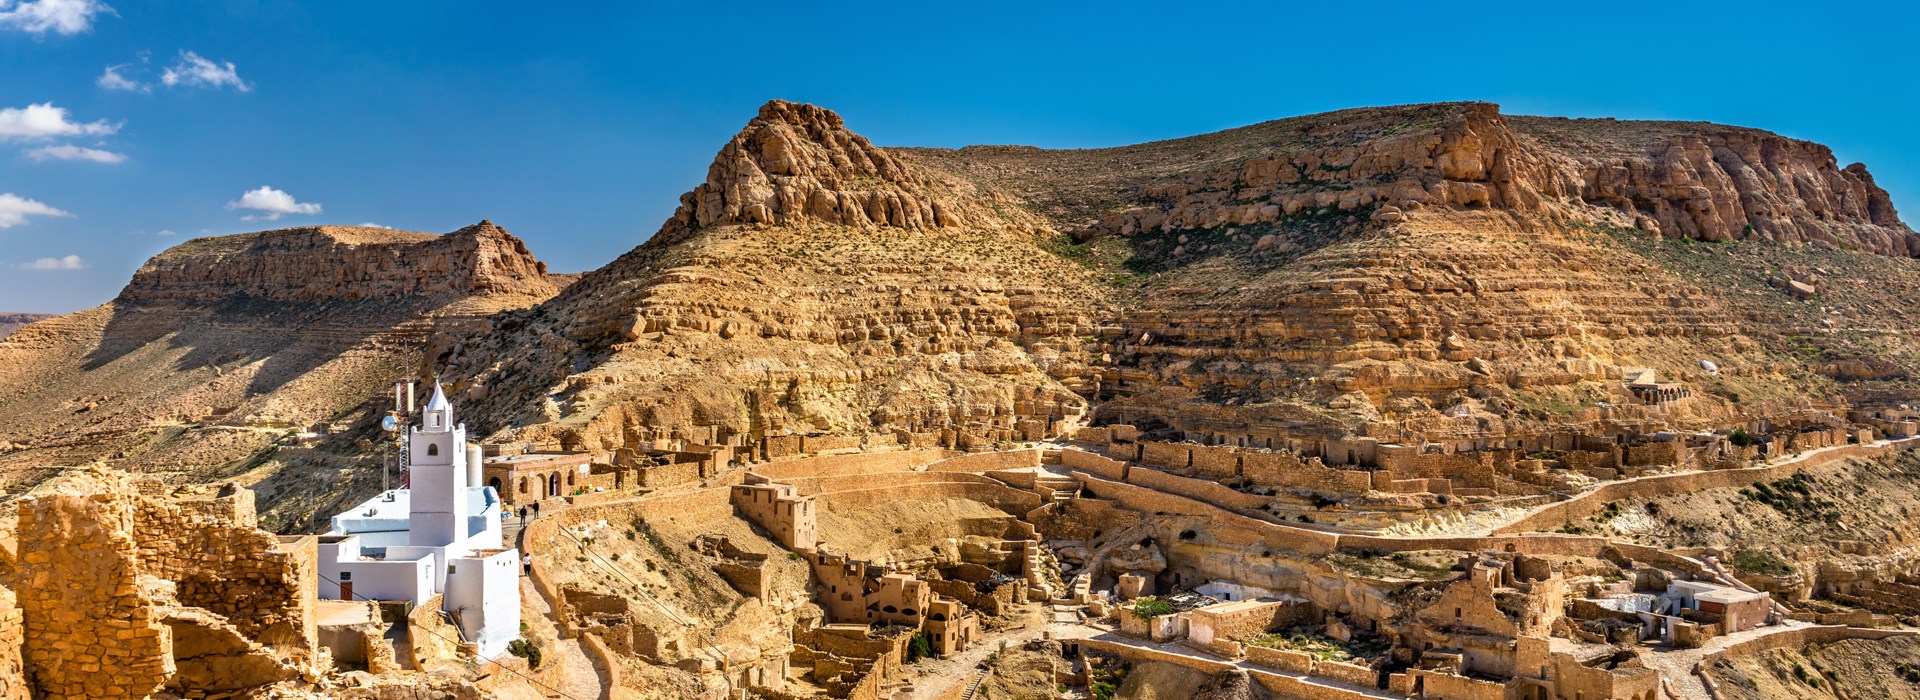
x=495 y=483
x=553 y=485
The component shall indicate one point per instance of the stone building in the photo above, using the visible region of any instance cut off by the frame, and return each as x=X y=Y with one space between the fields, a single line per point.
x=438 y=538
x=530 y=477
x=126 y=592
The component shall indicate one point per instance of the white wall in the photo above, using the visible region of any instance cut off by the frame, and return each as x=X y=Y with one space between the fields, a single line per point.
x=486 y=593
x=377 y=580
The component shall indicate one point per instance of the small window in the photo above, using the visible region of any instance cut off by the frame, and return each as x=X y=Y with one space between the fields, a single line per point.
x=891 y=609
x=451 y=569
x=346 y=576
x=910 y=612
x=433 y=450
x=1456 y=613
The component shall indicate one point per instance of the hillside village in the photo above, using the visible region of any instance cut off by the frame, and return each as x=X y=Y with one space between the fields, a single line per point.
x=1354 y=405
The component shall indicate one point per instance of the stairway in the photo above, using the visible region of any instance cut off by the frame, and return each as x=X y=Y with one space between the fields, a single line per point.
x=974 y=685
x=1052 y=477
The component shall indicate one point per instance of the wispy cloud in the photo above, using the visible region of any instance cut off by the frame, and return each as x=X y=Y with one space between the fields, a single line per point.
x=163 y=232
x=57 y=16
x=113 y=79
x=14 y=210
x=69 y=152
x=272 y=204
x=44 y=121
x=373 y=225
x=71 y=262
x=195 y=71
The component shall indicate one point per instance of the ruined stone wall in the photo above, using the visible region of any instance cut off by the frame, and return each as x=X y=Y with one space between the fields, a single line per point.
x=868 y=463
x=1281 y=468
x=1011 y=459
x=13 y=672
x=219 y=560
x=1205 y=491
x=822 y=444
x=1103 y=467
x=90 y=627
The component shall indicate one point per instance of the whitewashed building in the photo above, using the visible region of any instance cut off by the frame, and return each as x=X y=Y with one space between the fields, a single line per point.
x=439 y=536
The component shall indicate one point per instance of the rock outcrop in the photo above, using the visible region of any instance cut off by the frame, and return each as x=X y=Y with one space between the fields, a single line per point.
x=340 y=263
x=220 y=346
x=813 y=284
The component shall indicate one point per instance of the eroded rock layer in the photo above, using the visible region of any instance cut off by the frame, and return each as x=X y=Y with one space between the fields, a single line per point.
x=813 y=284
x=221 y=346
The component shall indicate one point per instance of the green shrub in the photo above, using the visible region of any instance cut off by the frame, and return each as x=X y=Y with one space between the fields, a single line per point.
x=525 y=650
x=1760 y=561
x=1150 y=607
x=920 y=647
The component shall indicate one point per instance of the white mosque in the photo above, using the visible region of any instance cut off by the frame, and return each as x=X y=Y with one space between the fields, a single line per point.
x=440 y=536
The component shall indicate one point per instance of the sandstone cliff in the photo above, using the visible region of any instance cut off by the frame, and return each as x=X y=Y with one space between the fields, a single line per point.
x=1435 y=271
x=220 y=346
x=813 y=284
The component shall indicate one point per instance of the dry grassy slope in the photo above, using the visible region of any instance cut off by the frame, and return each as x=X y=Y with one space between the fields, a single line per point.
x=1374 y=267
x=1800 y=519
x=814 y=283
x=278 y=329
x=1853 y=668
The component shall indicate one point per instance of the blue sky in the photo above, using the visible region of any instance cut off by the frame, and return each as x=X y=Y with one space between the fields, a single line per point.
x=577 y=126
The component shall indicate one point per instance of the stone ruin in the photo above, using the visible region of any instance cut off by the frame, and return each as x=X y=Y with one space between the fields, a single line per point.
x=122 y=590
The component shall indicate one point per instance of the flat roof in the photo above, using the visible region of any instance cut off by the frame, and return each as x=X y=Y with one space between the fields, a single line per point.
x=1725 y=596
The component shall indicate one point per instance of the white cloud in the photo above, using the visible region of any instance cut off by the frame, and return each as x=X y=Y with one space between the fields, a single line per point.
x=275 y=204
x=71 y=262
x=163 y=232
x=67 y=152
x=194 y=71
x=44 y=121
x=373 y=225
x=15 y=210
x=113 y=79
x=57 y=16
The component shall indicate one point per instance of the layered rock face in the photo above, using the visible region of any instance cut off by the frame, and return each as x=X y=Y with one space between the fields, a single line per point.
x=339 y=263
x=813 y=284
x=1436 y=271
x=220 y=344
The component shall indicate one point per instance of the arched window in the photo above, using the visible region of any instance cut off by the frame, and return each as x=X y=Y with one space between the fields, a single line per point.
x=495 y=483
x=523 y=484
x=433 y=450
x=553 y=485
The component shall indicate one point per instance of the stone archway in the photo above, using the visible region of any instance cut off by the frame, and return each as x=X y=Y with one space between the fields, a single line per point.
x=553 y=485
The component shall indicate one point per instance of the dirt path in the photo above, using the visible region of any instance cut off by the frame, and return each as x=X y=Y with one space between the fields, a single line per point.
x=933 y=677
x=579 y=680
x=1676 y=665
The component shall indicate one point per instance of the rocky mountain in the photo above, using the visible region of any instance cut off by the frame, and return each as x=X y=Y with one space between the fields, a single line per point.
x=219 y=347
x=1428 y=271
x=12 y=322
x=813 y=284
x=1408 y=273
x=1446 y=271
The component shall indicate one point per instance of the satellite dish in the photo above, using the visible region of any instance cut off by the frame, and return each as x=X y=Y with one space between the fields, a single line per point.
x=388 y=424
